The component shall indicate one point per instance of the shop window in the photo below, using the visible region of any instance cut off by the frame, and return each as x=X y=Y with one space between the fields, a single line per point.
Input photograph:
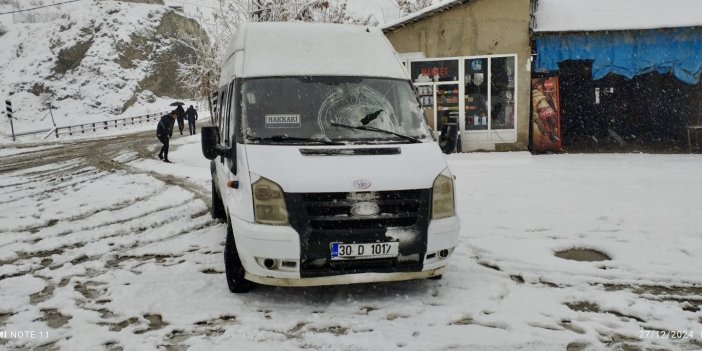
x=438 y=100
x=426 y=103
x=502 y=93
x=489 y=93
x=479 y=92
x=476 y=94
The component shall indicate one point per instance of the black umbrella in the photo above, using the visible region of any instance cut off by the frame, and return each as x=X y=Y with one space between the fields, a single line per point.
x=177 y=103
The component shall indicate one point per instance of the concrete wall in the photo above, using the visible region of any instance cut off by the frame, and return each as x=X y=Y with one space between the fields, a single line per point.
x=480 y=27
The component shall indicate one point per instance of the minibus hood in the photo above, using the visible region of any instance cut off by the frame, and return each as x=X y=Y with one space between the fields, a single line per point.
x=352 y=168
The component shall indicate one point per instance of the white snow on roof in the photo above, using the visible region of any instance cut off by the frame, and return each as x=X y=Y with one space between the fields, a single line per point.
x=594 y=15
x=295 y=49
x=381 y=10
x=413 y=17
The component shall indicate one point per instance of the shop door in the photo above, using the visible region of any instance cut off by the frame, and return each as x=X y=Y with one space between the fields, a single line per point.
x=446 y=105
x=580 y=125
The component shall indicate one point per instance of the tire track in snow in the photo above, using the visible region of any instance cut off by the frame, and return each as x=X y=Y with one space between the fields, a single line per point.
x=89 y=240
x=106 y=247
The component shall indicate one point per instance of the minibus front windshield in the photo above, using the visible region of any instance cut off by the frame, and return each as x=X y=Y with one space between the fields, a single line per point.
x=330 y=110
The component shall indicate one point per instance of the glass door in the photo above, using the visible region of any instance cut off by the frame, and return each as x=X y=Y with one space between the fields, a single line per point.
x=438 y=90
x=446 y=105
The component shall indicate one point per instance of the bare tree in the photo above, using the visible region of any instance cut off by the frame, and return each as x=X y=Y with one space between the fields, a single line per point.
x=303 y=11
x=202 y=72
x=410 y=6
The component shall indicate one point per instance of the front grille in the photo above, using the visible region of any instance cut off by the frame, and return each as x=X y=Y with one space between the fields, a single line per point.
x=352 y=152
x=329 y=211
x=324 y=218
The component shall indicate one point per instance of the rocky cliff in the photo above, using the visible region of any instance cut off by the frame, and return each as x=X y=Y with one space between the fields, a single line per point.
x=98 y=58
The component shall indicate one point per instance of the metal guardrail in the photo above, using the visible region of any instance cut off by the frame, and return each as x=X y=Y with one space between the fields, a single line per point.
x=32 y=132
x=92 y=127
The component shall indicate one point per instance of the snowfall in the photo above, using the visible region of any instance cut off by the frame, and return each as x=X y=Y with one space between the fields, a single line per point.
x=119 y=252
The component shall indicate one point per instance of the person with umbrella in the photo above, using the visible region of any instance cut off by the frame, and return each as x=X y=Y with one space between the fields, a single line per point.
x=181 y=117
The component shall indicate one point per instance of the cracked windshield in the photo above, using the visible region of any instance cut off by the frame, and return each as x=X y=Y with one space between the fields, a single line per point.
x=271 y=107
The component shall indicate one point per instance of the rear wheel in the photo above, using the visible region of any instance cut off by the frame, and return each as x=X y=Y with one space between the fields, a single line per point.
x=217 y=205
x=233 y=268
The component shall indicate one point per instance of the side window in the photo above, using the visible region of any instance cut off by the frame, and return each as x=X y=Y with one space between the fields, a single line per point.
x=233 y=101
x=226 y=116
x=221 y=112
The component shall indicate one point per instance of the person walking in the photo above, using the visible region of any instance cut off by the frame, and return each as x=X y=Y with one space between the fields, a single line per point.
x=164 y=132
x=191 y=113
x=181 y=115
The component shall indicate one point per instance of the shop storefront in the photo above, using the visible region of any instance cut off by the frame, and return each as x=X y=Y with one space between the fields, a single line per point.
x=478 y=93
x=625 y=83
x=470 y=63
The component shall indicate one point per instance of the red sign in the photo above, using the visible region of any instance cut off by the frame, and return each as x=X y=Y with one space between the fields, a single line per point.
x=435 y=71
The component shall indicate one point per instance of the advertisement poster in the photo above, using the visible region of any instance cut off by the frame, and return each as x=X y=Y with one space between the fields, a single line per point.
x=545 y=115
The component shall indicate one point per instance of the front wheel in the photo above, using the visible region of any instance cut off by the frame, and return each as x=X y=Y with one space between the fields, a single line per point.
x=233 y=268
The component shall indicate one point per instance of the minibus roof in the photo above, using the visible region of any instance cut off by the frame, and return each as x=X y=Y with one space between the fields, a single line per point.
x=270 y=49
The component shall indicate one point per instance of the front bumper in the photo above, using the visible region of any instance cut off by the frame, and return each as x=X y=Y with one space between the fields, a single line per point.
x=256 y=242
x=346 y=278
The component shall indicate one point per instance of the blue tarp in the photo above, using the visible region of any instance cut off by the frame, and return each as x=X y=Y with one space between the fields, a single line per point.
x=627 y=53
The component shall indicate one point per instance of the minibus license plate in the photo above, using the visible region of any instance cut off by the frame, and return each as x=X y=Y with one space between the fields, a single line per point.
x=341 y=251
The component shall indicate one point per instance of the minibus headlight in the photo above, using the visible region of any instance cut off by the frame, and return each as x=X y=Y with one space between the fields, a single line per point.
x=269 y=203
x=442 y=198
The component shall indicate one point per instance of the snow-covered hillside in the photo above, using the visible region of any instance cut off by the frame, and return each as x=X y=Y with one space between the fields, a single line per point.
x=93 y=60
x=90 y=60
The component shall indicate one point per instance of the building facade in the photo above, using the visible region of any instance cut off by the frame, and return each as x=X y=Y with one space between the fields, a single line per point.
x=470 y=61
x=627 y=72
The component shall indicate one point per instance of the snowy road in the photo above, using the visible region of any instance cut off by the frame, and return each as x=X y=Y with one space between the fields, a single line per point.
x=102 y=247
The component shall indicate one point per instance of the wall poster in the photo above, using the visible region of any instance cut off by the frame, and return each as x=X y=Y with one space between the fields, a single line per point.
x=545 y=115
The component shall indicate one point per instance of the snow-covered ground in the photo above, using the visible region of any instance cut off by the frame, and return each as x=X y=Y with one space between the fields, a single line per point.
x=104 y=247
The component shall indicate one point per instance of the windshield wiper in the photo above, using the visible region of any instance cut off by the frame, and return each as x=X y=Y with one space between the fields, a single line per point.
x=374 y=129
x=279 y=138
x=370 y=117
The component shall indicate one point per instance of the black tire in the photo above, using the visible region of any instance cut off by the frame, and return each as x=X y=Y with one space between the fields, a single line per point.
x=233 y=268
x=437 y=277
x=217 y=205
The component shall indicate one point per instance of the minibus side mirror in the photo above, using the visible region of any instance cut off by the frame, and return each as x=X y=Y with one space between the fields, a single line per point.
x=210 y=144
x=448 y=139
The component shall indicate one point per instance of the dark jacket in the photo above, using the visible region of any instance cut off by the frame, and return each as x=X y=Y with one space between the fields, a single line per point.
x=191 y=114
x=165 y=126
x=181 y=112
